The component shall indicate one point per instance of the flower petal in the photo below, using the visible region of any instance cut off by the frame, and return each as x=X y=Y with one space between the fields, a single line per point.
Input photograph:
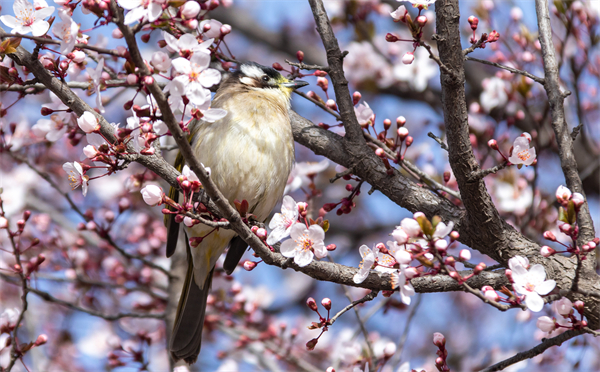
x=10 y=21
x=545 y=287
x=209 y=77
x=303 y=258
x=277 y=235
x=534 y=302
x=44 y=13
x=316 y=233
x=288 y=248
x=38 y=28
x=298 y=229
x=537 y=274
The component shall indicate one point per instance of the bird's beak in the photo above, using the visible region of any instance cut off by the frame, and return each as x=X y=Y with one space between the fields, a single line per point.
x=294 y=84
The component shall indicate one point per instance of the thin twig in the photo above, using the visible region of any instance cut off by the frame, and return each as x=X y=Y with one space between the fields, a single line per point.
x=368 y=297
x=437 y=59
x=547 y=343
x=438 y=140
x=304 y=66
x=43 y=40
x=508 y=68
x=476 y=176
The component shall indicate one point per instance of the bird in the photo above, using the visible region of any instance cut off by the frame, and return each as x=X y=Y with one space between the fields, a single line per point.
x=250 y=152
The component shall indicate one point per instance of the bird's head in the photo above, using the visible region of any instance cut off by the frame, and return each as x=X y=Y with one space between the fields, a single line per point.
x=258 y=77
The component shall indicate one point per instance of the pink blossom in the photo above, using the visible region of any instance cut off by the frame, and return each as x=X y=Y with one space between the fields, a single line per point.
x=161 y=61
x=408 y=58
x=304 y=244
x=152 y=194
x=66 y=31
x=364 y=114
x=76 y=176
x=411 y=227
x=564 y=307
x=546 y=324
x=190 y=9
x=532 y=284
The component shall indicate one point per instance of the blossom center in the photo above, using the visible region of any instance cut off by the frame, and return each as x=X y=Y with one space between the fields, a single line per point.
x=530 y=287
x=26 y=17
x=74 y=180
x=523 y=155
x=305 y=243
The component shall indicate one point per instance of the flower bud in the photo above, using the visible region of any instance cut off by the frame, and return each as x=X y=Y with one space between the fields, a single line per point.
x=277 y=66
x=117 y=34
x=439 y=340
x=356 y=96
x=261 y=233
x=402 y=133
x=564 y=307
x=441 y=245
x=3 y=223
x=331 y=105
x=389 y=350
x=400 y=121
x=300 y=55
x=454 y=235
x=577 y=199
x=312 y=304
x=550 y=236
x=331 y=247
x=479 y=268
x=449 y=261
x=330 y=369
x=323 y=83
x=493 y=144
x=310 y=345
x=148 y=80
x=41 y=339
x=493 y=36
x=546 y=324
x=547 y=251
x=391 y=38
x=473 y=21
x=464 y=255
x=579 y=306
x=47 y=111
x=408 y=58
x=422 y=20
x=326 y=302
x=190 y=9
x=249 y=265
x=454 y=275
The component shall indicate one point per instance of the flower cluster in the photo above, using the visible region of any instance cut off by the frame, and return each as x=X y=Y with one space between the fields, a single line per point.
x=570 y=203
x=306 y=236
x=565 y=318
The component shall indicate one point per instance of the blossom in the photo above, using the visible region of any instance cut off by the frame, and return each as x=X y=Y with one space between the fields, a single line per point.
x=363 y=63
x=9 y=318
x=141 y=9
x=304 y=243
x=399 y=14
x=532 y=284
x=408 y=58
x=422 y=4
x=50 y=129
x=27 y=19
x=161 y=61
x=442 y=230
x=90 y=151
x=364 y=114
x=521 y=153
x=88 y=122
x=518 y=261
x=494 y=93
x=196 y=76
x=546 y=324
x=564 y=307
x=563 y=194
x=411 y=227
x=368 y=259
x=190 y=9
x=400 y=253
x=399 y=280
x=281 y=223
x=187 y=44
x=96 y=75
x=515 y=198
x=66 y=31
x=76 y=176
x=152 y=194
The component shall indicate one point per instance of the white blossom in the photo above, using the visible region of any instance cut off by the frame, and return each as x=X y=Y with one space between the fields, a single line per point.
x=532 y=283
x=187 y=44
x=141 y=10
x=52 y=130
x=152 y=194
x=367 y=261
x=406 y=289
x=304 y=244
x=364 y=114
x=76 y=176
x=196 y=77
x=66 y=31
x=281 y=223
x=521 y=153
x=27 y=19
x=88 y=122
x=494 y=93
x=95 y=76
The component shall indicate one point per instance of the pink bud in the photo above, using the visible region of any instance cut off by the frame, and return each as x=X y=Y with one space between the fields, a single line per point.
x=225 y=30
x=493 y=36
x=331 y=104
x=261 y=233
x=508 y=273
x=439 y=340
x=300 y=55
x=379 y=152
x=454 y=235
x=117 y=34
x=550 y=236
x=473 y=21
x=464 y=255
x=190 y=9
x=323 y=83
x=546 y=324
x=577 y=199
x=148 y=80
x=310 y=345
x=331 y=247
x=493 y=144
x=330 y=369
x=422 y=20
x=389 y=350
x=249 y=265
x=441 y=245
x=411 y=272
x=565 y=228
x=402 y=133
x=479 y=268
x=579 y=306
x=326 y=302
x=547 y=251
x=400 y=121
x=132 y=79
x=356 y=96
x=312 y=304
x=408 y=58
x=41 y=339
x=491 y=294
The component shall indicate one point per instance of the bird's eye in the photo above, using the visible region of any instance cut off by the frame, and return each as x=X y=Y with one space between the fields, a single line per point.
x=265 y=78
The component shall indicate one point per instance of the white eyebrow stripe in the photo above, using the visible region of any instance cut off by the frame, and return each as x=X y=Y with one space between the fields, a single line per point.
x=252 y=71
x=247 y=81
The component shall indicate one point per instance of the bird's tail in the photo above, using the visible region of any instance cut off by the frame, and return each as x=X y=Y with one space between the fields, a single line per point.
x=186 y=338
